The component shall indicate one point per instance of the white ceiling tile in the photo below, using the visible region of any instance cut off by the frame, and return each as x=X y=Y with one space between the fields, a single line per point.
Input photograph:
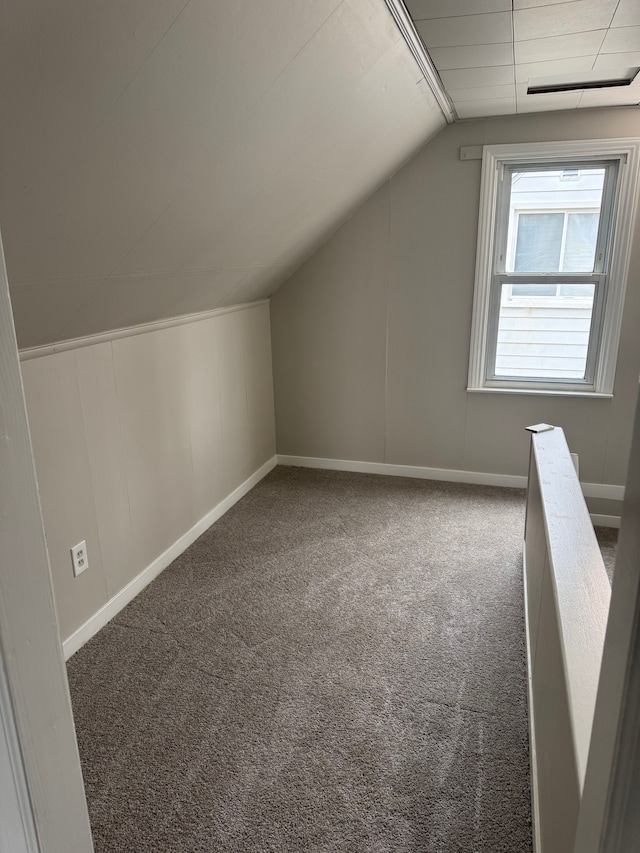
x=611 y=97
x=476 y=56
x=469 y=78
x=621 y=40
x=490 y=107
x=527 y=4
x=617 y=64
x=552 y=101
x=466 y=30
x=563 y=18
x=627 y=14
x=559 y=47
x=554 y=67
x=420 y=9
x=482 y=93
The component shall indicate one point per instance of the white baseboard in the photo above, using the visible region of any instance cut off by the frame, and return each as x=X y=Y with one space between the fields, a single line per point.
x=605 y=520
x=603 y=490
x=129 y=592
x=449 y=474
x=452 y=475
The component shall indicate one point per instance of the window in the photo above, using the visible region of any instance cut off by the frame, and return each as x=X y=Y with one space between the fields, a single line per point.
x=553 y=250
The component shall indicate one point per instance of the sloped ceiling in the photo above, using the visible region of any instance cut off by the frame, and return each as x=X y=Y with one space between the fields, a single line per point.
x=162 y=157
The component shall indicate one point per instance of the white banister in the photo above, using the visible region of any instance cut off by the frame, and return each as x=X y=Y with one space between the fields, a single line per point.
x=567 y=596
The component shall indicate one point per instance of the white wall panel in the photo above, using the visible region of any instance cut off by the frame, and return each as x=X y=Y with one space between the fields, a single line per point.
x=234 y=406
x=137 y=439
x=101 y=415
x=60 y=448
x=156 y=446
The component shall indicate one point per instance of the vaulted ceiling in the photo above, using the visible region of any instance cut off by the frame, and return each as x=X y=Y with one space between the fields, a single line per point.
x=164 y=157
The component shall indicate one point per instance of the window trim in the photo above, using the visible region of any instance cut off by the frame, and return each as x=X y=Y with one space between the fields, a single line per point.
x=494 y=157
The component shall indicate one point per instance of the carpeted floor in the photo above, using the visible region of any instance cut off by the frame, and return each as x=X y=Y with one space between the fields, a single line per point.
x=338 y=664
x=608 y=541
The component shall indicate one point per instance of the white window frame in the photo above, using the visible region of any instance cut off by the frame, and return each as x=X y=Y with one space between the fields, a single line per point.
x=495 y=157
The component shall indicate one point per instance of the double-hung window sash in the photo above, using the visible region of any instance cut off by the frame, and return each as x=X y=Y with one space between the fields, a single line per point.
x=551 y=251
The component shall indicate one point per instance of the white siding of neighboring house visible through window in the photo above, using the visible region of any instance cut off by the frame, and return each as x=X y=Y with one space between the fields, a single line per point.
x=544 y=329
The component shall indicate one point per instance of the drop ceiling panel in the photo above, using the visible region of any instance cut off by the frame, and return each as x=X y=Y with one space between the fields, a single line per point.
x=479 y=49
x=621 y=40
x=447 y=8
x=625 y=95
x=484 y=93
x=527 y=4
x=578 y=65
x=466 y=30
x=551 y=101
x=617 y=64
x=563 y=19
x=476 y=56
x=491 y=107
x=469 y=78
x=559 y=47
x=627 y=14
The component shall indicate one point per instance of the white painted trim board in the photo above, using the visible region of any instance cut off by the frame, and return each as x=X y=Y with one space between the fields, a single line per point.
x=599 y=520
x=535 y=800
x=409 y=33
x=130 y=331
x=451 y=475
x=129 y=592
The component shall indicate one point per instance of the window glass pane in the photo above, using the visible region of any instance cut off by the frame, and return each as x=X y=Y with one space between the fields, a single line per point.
x=534 y=289
x=553 y=222
x=580 y=242
x=539 y=242
x=583 y=291
x=545 y=339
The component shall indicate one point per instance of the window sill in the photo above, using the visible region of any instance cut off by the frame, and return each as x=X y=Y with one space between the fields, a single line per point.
x=542 y=392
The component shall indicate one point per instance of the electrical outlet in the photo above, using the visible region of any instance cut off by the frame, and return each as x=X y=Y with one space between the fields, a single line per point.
x=79 y=558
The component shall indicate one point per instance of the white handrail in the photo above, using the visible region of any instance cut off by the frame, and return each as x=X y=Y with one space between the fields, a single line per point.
x=567 y=605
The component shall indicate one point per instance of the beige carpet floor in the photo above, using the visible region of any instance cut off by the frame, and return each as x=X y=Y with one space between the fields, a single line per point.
x=338 y=664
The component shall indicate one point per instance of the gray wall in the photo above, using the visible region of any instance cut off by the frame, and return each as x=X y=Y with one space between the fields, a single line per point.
x=371 y=335
x=136 y=439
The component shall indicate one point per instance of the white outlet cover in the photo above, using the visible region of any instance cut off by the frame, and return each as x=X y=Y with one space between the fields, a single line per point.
x=79 y=558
